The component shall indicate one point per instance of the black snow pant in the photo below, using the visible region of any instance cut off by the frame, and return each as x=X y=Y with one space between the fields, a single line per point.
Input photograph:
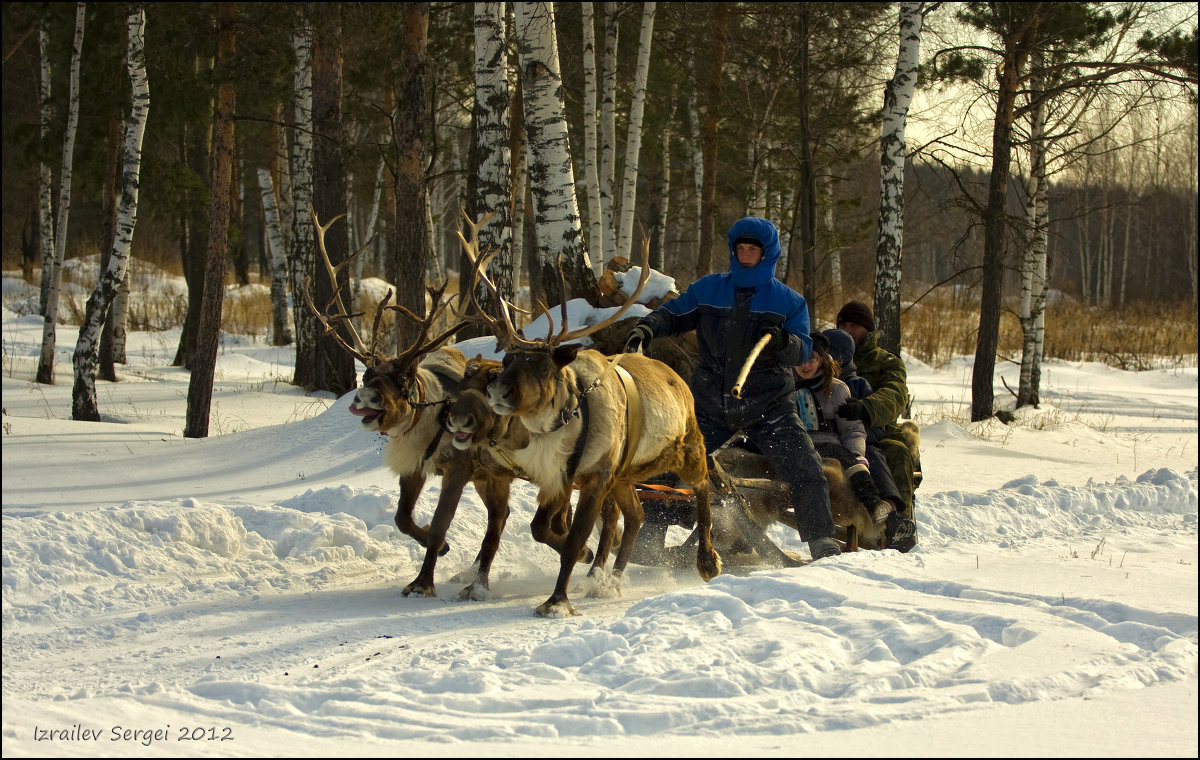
x=782 y=439
x=884 y=480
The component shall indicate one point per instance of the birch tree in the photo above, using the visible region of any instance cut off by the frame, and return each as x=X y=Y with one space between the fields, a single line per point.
x=493 y=189
x=591 y=170
x=302 y=258
x=608 y=129
x=897 y=97
x=633 y=142
x=45 y=213
x=45 y=370
x=208 y=335
x=83 y=405
x=1033 y=262
x=556 y=210
x=281 y=334
x=1071 y=32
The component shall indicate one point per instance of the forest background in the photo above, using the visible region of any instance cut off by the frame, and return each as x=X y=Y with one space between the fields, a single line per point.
x=746 y=108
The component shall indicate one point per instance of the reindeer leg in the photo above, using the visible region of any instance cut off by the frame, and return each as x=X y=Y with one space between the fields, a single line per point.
x=410 y=489
x=551 y=523
x=453 y=483
x=586 y=512
x=695 y=473
x=608 y=534
x=495 y=493
x=632 y=515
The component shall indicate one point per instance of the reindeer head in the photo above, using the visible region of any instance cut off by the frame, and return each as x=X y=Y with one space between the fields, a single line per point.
x=469 y=418
x=389 y=386
x=531 y=367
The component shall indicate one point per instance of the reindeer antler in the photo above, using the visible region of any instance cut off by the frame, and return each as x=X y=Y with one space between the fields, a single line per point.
x=422 y=345
x=503 y=328
x=616 y=315
x=367 y=355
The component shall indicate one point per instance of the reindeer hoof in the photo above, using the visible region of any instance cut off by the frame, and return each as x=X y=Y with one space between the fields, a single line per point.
x=708 y=563
x=556 y=608
x=605 y=585
x=476 y=592
x=467 y=576
x=419 y=588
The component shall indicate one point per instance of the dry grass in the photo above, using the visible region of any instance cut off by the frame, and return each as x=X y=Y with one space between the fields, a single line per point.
x=940 y=326
x=1137 y=337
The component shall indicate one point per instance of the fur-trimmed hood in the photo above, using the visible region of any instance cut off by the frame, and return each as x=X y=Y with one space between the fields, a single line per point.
x=767 y=236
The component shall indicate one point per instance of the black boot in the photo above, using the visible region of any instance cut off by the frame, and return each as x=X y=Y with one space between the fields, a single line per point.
x=901 y=532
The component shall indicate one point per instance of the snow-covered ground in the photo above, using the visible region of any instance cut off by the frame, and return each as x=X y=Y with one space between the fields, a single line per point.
x=240 y=594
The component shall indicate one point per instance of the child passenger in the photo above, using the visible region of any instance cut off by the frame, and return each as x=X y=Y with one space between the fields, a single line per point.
x=820 y=393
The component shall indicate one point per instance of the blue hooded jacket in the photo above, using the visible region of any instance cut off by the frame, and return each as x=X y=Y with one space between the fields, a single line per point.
x=730 y=312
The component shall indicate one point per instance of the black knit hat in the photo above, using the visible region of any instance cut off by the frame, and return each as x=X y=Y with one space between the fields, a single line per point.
x=820 y=344
x=857 y=312
x=750 y=240
x=841 y=346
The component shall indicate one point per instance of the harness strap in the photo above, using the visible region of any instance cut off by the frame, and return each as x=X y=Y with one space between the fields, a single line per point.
x=437 y=437
x=580 y=441
x=416 y=397
x=633 y=418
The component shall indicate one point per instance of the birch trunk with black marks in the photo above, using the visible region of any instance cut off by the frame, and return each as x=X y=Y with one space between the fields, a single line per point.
x=83 y=397
x=45 y=369
x=633 y=141
x=45 y=172
x=113 y=164
x=560 y=243
x=888 y=254
x=608 y=130
x=591 y=169
x=281 y=334
x=493 y=188
x=302 y=259
x=658 y=252
x=1033 y=264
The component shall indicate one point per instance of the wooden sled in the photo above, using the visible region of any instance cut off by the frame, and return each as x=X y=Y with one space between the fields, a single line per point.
x=747 y=499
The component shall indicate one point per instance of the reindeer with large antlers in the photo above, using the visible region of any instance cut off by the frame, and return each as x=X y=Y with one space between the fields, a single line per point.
x=401 y=398
x=597 y=425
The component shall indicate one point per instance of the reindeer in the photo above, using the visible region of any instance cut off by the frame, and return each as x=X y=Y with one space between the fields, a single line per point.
x=397 y=399
x=597 y=426
x=491 y=438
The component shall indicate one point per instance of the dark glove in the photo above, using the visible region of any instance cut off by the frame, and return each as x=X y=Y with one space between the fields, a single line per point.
x=639 y=338
x=855 y=410
x=779 y=338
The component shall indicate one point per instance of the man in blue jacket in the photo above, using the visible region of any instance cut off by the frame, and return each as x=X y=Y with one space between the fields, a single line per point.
x=730 y=313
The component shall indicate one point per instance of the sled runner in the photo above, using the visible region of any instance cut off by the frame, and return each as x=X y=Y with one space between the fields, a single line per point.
x=747 y=499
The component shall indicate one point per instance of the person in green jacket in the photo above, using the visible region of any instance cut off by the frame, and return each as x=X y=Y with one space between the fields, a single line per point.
x=879 y=412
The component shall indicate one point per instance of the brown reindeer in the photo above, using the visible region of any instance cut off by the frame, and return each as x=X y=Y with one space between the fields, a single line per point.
x=400 y=397
x=580 y=410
